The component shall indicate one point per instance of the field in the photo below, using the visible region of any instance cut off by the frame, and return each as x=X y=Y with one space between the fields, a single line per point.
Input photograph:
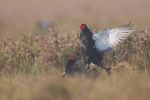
x=32 y=59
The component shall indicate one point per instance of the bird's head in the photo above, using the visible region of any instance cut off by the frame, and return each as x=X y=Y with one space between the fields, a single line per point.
x=71 y=57
x=83 y=27
x=85 y=34
x=70 y=62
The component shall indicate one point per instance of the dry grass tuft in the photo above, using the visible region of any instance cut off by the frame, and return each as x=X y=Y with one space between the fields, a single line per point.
x=31 y=69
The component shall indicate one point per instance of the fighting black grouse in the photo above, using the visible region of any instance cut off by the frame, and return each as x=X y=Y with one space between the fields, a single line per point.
x=97 y=44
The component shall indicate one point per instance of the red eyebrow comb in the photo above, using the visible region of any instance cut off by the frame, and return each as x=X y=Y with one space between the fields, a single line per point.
x=82 y=26
x=71 y=57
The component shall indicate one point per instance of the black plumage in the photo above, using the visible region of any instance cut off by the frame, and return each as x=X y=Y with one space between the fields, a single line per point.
x=90 y=53
x=94 y=46
x=78 y=66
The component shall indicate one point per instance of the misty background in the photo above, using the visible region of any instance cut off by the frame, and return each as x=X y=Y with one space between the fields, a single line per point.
x=17 y=16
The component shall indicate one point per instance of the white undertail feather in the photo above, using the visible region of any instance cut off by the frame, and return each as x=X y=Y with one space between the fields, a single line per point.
x=108 y=39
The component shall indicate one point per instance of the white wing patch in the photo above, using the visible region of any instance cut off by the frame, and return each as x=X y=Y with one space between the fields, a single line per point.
x=110 y=38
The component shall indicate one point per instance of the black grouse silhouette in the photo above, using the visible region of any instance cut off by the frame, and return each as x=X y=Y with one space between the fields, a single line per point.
x=75 y=64
x=96 y=45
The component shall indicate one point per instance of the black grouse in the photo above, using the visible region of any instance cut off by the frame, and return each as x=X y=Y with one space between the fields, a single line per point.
x=94 y=46
x=75 y=64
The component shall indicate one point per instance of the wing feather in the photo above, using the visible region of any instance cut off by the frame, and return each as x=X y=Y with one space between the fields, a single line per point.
x=108 y=39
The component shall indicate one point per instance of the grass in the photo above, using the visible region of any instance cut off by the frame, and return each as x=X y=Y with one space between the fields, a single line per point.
x=31 y=68
x=32 y=61
x=130 y=85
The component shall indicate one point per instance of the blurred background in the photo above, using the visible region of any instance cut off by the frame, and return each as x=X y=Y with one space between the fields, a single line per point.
x=36 y=37
x=18 y=16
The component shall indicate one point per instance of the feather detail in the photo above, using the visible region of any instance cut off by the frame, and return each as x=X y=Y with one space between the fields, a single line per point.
x=108 y=39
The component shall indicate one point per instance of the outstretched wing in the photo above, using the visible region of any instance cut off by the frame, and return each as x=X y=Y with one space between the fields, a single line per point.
x=106 y=40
